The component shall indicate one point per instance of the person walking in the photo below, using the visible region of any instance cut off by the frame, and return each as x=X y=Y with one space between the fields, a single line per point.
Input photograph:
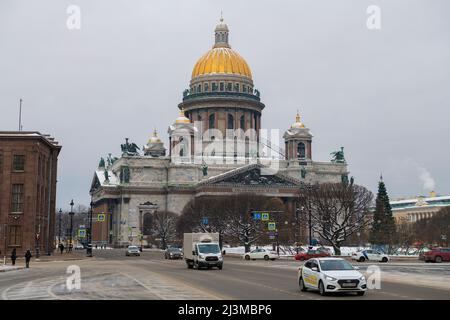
x=28 y=258
x=61 y=248
x=13 y=257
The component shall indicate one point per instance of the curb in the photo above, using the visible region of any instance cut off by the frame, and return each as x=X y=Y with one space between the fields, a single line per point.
x=12 y=269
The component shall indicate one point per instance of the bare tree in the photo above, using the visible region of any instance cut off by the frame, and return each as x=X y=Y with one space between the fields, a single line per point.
x=164 y=226
x=338 y=211
x=230 y=216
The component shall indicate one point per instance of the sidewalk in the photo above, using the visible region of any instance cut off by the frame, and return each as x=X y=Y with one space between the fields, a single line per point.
x=7 y=268
x=57 y=256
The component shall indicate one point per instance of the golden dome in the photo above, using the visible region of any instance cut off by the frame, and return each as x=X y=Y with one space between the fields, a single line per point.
x=298 y=124
x=154 y=138
x=221 y=59
x=182 y=118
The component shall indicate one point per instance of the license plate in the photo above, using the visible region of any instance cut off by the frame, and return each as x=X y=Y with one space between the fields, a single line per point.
x=349 y=285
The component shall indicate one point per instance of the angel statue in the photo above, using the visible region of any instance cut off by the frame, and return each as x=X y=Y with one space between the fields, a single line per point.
x=129 y=149
x=338 y=156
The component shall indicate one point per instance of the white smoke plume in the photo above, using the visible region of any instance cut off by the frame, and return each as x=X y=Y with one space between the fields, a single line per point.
x=427 y=180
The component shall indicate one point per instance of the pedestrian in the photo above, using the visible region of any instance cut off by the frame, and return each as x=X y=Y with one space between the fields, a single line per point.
x=28 y=258
x=61 y=248
x=13 y=257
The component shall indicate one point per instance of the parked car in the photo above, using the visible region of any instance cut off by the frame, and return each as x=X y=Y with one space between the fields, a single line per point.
x=173 y=253
x=133 y=251
x=436 y=255
x=79 y=247
x=331 y=275
x=370 y=255
x=312 y=253
x=261 y=254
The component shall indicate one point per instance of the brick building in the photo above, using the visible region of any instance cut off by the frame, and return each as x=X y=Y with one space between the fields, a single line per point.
x=28 y=169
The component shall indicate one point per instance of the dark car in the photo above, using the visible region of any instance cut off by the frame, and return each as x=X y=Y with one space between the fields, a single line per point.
x=436 y=255
x=173 y=253
x=312 y=253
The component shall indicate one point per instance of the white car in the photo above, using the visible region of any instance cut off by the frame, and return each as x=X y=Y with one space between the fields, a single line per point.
x=261 y=254
x=370 y=255
x=133 y=251
x=331 y=275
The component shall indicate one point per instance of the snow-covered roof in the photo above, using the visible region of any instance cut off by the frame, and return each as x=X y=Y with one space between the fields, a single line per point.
x=113 y=179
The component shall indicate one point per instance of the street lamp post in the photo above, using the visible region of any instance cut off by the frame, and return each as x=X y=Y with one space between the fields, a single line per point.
x=59 y=227
x=71 y=213
x=89 y=245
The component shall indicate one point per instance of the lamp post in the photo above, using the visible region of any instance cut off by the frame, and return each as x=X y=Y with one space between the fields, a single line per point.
x=59 y=227
x=89 y=244
x=71 y=213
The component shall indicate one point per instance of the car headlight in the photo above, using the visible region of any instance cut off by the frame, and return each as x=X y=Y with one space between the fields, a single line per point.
x=330 y=278
x=362 y=278
x=201 y=256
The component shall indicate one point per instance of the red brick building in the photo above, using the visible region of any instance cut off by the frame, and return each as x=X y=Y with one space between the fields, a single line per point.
x=28 y=170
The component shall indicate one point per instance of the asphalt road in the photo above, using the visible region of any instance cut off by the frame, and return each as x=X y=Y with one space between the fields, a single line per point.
x=111 y=275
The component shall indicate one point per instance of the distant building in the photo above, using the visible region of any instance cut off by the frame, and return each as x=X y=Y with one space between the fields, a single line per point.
x=28 y=168
x=418 y=208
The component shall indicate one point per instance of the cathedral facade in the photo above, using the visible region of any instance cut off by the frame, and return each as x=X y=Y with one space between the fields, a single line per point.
x=216 y=147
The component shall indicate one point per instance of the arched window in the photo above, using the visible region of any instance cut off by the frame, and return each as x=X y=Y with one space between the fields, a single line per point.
x=199 y=88
x=230 y=122
x=147 y=227
x=301 y=150
x=212 y=121
x=242 y=123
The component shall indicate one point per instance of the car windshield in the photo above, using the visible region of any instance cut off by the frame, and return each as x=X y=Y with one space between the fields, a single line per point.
x=208 y=248
x=132 y=248
x=329 y=265
x=174 y=249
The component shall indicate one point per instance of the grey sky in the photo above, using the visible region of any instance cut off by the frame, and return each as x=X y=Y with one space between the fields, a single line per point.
x=383 y=95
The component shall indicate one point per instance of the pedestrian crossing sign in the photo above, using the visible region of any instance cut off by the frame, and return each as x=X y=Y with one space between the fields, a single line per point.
x=101 y=217
x=271 y=226
x=264 y=216
x=81 y=233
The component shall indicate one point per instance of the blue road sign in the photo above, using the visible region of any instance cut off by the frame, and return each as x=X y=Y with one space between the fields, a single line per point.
x=205 y=220
x=256 y=215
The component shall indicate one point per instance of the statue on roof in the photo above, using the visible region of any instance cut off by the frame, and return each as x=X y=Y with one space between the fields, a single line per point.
x=106 y=176
x=338 y=156
x=101 y=164
x=129 y=149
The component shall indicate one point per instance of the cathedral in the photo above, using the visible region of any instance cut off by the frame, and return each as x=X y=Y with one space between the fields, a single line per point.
x=216 y=147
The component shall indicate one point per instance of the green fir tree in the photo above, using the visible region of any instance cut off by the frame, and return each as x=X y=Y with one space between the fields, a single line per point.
x=383 y=225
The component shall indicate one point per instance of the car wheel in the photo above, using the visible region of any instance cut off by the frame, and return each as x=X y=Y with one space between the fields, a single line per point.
x=301 y=284
x=273 y=259
x=247 y=257
x=438 y=259
x=384 y=259
x=196 y=266
x=189 y=265
x=360 y=293
x=322 y=289
x=266 y=258
x=361 y=259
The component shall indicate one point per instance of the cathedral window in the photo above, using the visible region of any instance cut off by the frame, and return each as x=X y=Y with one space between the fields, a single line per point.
x=244 y=88
x=199 y=88
x=229 y=86
x=212 y=121
x=243 y=123
x=206 y=87
x=222 y=86
x=230 y=122
x=301 y=150
x=214 y=86
x=236 y=87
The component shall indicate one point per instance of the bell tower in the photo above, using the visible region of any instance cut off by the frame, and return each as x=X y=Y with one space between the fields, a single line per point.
x=298 y=141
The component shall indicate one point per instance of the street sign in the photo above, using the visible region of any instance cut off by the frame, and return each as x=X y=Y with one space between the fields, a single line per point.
x=256 y=215
x=81 y=233
x=82 y=226
x=101 y=217
x=264 y=216
x=271 y=226
x=205 y=220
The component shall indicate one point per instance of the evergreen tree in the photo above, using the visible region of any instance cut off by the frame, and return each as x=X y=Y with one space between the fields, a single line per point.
x=383 y=225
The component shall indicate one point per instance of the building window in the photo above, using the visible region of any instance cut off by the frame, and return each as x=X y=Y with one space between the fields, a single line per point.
x=17 y=198
x=15 y=236
x=214 y=86
x=19 y=163
x=236 y=87
x=301 y=153
x=212 y=121
x=1 y=163
x=222 y=86
x=229 y=86
x=243 y=123
x=244 y=88
x=230 y=122
x=206 y=88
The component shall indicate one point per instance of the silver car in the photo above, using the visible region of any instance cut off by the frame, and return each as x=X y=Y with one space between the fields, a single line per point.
x=133 y=251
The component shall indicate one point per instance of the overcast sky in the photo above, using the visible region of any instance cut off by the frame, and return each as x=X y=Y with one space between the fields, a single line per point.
x=384 y=94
